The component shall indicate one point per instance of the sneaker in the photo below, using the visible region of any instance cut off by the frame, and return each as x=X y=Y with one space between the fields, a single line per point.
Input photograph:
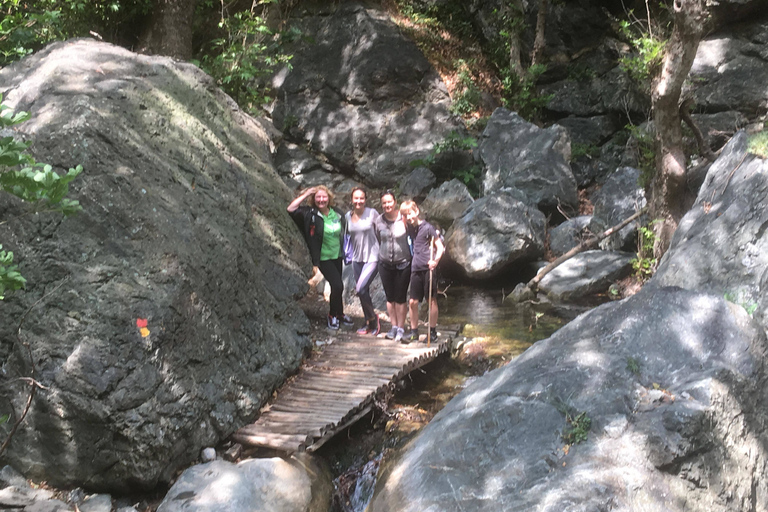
x=413 y=335
x=374 y=329
x=363 y=330
x=392 y=333
x=345 y=320
x=433 y=333
x=400 y=334
x=333 y=322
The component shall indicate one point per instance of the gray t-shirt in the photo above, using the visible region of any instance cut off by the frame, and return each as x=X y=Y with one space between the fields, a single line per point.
x=365 y=245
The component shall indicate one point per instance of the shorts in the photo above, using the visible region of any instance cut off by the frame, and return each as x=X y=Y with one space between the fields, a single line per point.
x=394 y=280
x=420 y=284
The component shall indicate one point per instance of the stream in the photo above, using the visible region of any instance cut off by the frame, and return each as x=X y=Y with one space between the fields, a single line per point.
x=496 y=332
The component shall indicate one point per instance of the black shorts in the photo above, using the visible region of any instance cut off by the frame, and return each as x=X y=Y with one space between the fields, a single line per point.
x=395 y=282
x=420 y=284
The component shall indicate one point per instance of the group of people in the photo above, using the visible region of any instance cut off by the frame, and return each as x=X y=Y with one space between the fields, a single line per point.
x=397 y=244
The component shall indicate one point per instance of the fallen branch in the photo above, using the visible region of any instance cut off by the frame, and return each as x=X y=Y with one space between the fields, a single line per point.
x=528 y=290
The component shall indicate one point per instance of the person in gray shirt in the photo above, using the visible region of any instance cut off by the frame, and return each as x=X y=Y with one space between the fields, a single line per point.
x=364 y=256
x=394 y=263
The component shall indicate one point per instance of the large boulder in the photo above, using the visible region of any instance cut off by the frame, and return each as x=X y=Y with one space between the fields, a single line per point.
x=729 y=70
x=518 y=154
x=586 y=273
x=183 y=227
x=495 y=232
x=721 y=244
x=253 y=485
x=619 y=198
x=446 y=203
x=361 y=94
x=665 y=390
x=567 y=235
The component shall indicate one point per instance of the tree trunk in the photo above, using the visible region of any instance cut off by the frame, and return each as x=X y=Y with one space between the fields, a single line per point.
x=516 y=8
x=540 y=42
x=668 y=186
x=170 y=29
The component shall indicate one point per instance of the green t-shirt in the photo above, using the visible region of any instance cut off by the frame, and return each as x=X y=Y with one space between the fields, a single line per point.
x=331 y=248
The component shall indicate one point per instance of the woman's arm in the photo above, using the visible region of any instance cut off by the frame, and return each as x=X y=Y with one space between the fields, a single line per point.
x=301 y=197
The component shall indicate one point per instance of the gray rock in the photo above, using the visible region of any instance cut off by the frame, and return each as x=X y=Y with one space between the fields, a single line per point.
x=498 y=445
x=446 y=203
x=418 y=183
x=585 y=274
x=721 y=245
x=184 y=225
x=208 y=454
x=96 y=503
x=21 y=496
x=9 y=476
x=718 y=128
x=729 y=70
x=48 y=506
x=518 y=154
x=567 y=235
x=611 y=93
x=496 y=231
x=618 y=199
x=292 y=160
x=362 y=95
x=252 y=485
x=591 y=131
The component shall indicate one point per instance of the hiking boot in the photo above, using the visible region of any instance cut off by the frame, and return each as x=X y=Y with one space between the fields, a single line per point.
x=345 y=320
x=333 y=322
x=400 y=334
x=392 y=333
x=433 y=333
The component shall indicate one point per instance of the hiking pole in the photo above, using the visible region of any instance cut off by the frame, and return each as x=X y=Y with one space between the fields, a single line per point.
x=429 y=294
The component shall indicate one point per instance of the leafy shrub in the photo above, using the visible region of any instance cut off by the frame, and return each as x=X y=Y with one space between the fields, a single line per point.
x=31 y=181
x=468 y=96
x=520 y=94
x=578 y=429
x=27 y=26
x=644 y=263
x=649 y=52
x=244 y=56
x=454 y=142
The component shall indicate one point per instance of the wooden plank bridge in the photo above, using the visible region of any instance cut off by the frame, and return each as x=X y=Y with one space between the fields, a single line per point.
x=336 y=388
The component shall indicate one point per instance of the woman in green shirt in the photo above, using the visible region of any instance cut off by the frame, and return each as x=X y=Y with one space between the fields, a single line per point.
x=323 y=226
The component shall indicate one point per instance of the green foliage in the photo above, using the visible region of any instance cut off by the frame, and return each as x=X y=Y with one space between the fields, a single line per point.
x=38 y=183
x=453 y=143
x=758 y=144
x=578 y=428
x=586 y=150
x=468 y=96
x=645 y=264
x=649 y=52
x=633 y=365
x=27 y=26
x=741 y=299
x=10 y=279
x=519 y=93
x=246 y=54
